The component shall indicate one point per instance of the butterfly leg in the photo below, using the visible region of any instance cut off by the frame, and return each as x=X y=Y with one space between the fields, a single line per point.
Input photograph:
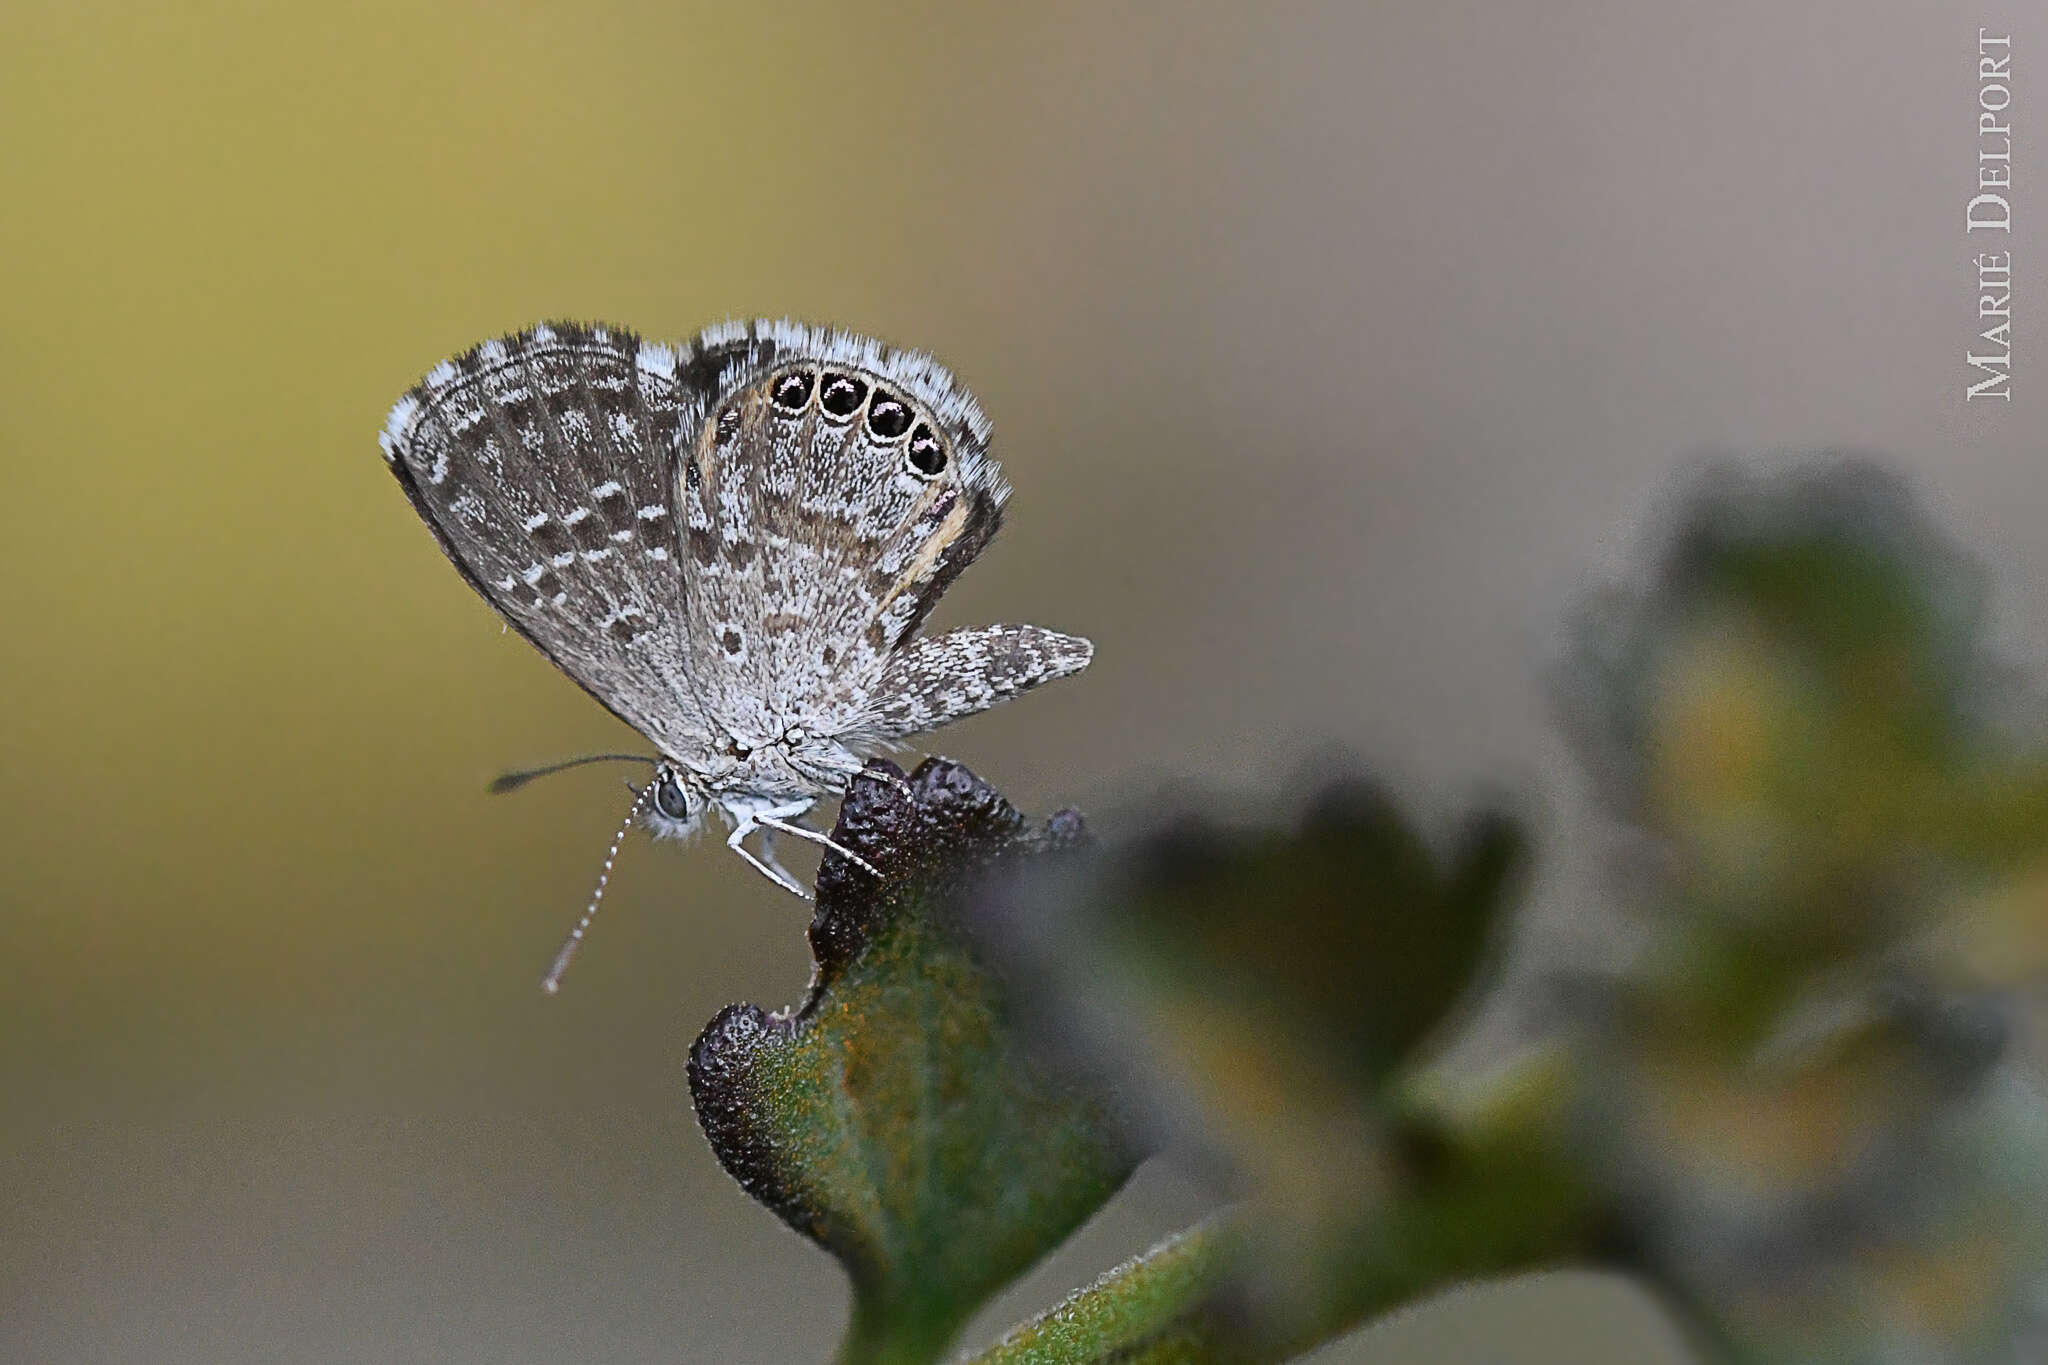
x=773 y=820
x=768 y=853
x=771 y=869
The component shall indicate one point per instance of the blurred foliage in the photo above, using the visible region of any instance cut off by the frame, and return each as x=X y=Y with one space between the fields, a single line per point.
x=1256 y=996
x=892 y=1118
x=1799 y=1096
x=1789 y=1103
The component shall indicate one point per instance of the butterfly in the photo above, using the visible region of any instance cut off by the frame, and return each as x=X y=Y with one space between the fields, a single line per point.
x=731 y=544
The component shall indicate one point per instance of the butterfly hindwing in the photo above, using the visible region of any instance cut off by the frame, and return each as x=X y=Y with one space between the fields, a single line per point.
x=835 y=489
x=938 y=679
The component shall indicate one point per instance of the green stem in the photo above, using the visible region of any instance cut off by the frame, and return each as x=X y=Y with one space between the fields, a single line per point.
x=1129 y=1306
x=901 y=1335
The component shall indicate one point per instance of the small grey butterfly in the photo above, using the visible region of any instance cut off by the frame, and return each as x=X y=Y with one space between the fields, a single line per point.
x=731 y=544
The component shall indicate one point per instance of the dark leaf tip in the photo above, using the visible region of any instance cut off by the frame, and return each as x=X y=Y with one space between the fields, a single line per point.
x=728 y=1107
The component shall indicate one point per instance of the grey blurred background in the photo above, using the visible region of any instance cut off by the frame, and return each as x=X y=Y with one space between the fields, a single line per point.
x=1333 y=351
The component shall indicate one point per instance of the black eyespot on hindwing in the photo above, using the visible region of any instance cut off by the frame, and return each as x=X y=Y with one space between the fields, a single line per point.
x=927 y=451
x=888 y=418
x=841 y=394
x=793 y=391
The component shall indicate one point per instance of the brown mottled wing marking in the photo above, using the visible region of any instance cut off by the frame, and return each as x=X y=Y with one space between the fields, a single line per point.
x=545 y=464
x=933 y=681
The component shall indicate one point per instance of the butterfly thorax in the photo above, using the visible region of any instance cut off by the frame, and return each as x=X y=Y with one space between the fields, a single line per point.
x=795 y=766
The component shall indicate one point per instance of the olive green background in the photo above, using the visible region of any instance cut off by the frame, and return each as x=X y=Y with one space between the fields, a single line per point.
x=1332 y=351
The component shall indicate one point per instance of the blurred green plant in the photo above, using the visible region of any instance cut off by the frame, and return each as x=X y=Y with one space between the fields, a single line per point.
x=1800 y=1096
x=1790 y=1104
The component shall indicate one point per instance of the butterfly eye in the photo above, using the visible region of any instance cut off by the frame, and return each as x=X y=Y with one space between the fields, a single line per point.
x=793 y=390
x=670 y=798
x=843 y=395
x=888 y=418
x=927 y=452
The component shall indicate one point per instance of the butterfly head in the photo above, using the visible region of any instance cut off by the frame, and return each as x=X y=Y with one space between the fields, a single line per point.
x=674 y=804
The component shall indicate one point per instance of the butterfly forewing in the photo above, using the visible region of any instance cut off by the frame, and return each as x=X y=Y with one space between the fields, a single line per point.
x=545 y=463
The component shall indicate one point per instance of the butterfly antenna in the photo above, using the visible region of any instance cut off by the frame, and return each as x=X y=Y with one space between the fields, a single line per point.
x=552 y=982
x=513 y=781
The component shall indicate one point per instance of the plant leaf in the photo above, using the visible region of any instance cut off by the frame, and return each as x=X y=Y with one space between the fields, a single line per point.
x=893 y=1118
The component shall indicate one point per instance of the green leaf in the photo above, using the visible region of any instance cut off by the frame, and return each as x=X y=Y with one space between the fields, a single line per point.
x=893 y=1117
